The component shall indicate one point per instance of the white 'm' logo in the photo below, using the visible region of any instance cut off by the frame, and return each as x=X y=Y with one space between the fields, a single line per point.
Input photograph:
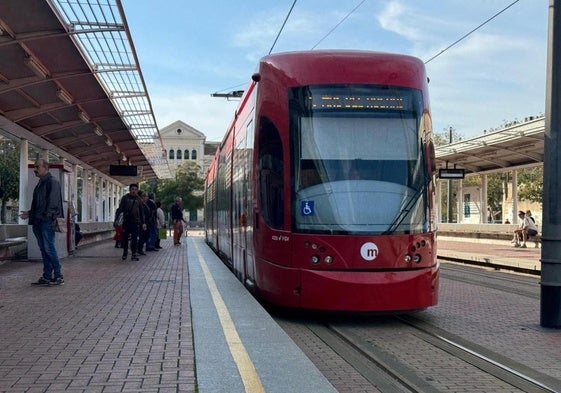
x=369 y=251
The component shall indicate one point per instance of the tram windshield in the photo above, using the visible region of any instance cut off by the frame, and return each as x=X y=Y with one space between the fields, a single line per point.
x=358 y=166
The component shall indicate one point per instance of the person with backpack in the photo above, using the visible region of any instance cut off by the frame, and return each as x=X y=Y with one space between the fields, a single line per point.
x=133 y=221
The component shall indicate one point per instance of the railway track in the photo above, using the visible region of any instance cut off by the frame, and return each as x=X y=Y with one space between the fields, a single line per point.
x=413 y=356
x=408 y=353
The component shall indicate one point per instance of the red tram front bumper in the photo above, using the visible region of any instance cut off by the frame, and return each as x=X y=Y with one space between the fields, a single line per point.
x=395 y=290
x=369 y=291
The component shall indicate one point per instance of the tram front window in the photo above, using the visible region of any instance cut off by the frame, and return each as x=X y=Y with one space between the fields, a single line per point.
x=358 y=166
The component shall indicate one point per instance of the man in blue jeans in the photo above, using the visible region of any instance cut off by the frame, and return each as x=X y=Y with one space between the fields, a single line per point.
x=133 y=221
x=46 y=207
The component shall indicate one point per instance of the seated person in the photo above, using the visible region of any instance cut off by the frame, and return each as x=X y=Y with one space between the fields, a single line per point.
x=518 y=231
x=526 y=230
x=529 y=228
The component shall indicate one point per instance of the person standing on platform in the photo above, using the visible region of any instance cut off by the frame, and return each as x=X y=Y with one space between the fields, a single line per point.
x=177 y=218
x=161 y=222
x=46 y=208
x=152 y=224
x=143 y=232
x=133 y=220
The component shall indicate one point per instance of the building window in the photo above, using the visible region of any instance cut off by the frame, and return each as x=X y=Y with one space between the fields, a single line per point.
x=186 y=154
x=193 y=154
x=171 y=154
x=178 y=131
x=178 y=154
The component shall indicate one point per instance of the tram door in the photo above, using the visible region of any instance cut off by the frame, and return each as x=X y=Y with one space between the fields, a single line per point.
x=249 y=263
x=243 y=243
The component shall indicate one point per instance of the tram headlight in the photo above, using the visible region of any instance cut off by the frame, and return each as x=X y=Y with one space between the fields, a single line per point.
x=407 y=258
x=417 y=258
x=315 y=259
x=328 y=259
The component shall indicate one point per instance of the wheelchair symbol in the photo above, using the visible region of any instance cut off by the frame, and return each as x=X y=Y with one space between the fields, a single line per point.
x=307 y=208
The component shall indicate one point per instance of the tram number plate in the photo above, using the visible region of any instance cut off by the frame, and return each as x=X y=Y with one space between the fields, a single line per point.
x=280 y=238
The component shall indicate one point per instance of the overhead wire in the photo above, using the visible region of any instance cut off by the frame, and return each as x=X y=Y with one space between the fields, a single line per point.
x=282 y=27
x=472 y=31
x=231 y=88
x=323 y=38
x=274 y=43
x=355 y=8
x=337 y=25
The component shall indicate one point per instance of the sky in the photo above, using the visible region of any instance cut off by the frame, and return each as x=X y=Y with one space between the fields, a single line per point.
x=188 y=50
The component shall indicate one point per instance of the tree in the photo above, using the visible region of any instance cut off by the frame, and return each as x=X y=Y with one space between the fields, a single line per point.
x=443 y=138
x=530 y=184
x=186 y=185
x=9 y=174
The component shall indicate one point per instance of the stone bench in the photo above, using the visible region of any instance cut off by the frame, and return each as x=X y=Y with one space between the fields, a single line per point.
x=96 y=231
x=13 y=241
x=13 y=248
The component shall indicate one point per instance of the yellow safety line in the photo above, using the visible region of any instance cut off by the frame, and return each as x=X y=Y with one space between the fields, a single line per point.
x=249 y=375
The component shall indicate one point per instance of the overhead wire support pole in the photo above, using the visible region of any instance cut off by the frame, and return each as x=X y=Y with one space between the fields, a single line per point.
x=550 y=310
x=232 y=94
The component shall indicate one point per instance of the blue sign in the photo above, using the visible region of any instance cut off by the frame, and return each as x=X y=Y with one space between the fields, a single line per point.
x=307 y=208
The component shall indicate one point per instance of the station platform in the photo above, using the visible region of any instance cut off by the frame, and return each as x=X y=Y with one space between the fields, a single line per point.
x=497 y=254
x=177 y=320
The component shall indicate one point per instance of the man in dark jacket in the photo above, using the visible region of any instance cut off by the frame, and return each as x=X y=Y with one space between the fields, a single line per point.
x=46 y=207
x=143 y=232
x=133 y=220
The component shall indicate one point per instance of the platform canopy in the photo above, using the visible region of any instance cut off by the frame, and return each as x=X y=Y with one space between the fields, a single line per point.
x=70 y=78
x=516 y=146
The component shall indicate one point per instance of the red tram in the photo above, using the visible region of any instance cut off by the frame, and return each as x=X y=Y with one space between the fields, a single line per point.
x=321 y=194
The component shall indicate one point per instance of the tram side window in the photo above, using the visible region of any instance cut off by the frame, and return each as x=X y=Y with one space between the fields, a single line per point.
x=271 y=171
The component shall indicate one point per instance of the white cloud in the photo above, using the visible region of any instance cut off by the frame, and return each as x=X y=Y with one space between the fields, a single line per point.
x=397 y=18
